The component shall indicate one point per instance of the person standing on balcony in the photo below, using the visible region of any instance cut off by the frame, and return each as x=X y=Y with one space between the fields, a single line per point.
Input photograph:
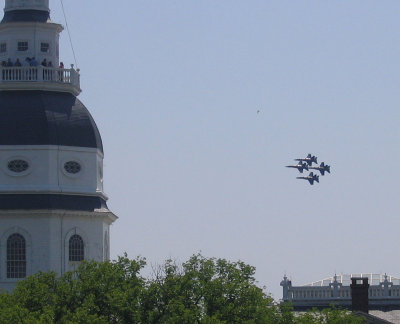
x=33 y=62
x=61 y=73
x=3 y=64
x=18 y=72
x=8 y=72
x=45 y=72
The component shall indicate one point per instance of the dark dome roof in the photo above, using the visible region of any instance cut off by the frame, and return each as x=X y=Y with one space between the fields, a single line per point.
x=26 y=16
x=46 y=118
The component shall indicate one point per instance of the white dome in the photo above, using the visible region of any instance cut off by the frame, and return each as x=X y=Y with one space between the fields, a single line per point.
x=42 y=5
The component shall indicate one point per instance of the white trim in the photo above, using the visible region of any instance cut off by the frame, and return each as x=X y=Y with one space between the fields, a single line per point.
x=50 y=190
x=107 y=216
x=51 y=148
x=31 y=25
x=106 y=245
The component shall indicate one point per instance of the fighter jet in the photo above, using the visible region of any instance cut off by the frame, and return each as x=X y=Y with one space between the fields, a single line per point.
x=311 y=178
x=309 y=159
x=299 y=166
x=322 y=168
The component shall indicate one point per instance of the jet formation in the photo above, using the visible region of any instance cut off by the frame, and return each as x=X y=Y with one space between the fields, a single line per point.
x=307 y=164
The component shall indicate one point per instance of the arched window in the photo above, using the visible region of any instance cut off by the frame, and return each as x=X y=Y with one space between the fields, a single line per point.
x=16 y=256
x=76 y=248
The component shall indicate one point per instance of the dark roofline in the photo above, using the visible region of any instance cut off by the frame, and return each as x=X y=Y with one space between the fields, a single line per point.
x=51 y=202
x=26 y=16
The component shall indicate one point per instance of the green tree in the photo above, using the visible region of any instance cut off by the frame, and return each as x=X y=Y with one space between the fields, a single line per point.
x=206 y=290
x=329 y=316
x=199 y=291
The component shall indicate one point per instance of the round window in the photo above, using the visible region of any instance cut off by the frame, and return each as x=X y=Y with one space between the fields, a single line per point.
x=72 y=167
x=18 y=166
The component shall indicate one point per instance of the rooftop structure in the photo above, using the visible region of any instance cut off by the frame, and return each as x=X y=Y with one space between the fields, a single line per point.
x=383 y=292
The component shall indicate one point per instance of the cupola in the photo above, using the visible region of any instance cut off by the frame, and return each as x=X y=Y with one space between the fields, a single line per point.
x=29 y=50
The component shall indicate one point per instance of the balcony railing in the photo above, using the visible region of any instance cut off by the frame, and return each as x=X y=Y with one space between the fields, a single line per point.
x=40 y=77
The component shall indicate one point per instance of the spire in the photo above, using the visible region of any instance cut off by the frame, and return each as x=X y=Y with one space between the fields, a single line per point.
x=335 y=286
x=286 y=285
x=42 y=5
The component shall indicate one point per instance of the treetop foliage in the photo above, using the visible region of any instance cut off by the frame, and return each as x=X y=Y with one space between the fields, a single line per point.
x=199 y=291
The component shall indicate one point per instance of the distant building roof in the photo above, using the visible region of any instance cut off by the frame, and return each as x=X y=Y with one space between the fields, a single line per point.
x=377 y=317
x=383 y=292
x=345 y=279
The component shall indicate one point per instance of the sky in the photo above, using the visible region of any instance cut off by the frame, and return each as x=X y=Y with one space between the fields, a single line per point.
x=190 y=166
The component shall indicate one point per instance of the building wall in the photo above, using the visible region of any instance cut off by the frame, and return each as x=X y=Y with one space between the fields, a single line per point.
x=34 y=34
x=46 y=171
x=47 y=237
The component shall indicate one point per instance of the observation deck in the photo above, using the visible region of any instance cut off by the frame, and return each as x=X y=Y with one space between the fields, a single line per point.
x=40 y=78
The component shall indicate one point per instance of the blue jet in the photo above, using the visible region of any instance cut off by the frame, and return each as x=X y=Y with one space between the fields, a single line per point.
x=322 y=168
x=310 y=159
x=311 y=178
x=299 y=166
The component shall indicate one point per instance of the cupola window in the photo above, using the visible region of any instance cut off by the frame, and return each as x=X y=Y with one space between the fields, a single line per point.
x=22 y=46
x=44 y=47
x=18 y=166
x=16 y=256
x=3 y=47
x=72 y=167
x=76 y=248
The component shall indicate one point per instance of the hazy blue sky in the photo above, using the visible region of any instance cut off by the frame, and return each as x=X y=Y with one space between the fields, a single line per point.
x=190 y=166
